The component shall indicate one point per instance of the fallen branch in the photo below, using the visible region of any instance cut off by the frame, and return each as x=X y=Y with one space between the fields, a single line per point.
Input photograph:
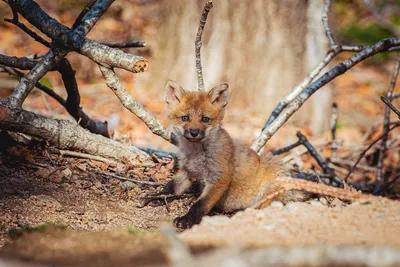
x=304 y=141
x=66 y=135
x=94 y=126
x=203 y=19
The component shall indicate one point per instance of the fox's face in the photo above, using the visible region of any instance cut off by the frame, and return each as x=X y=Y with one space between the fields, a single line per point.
x=196 y=115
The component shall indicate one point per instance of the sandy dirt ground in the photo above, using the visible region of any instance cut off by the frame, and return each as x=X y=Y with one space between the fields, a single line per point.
x=95 y=220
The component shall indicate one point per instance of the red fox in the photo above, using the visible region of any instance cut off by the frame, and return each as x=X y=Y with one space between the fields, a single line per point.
x=232 y=176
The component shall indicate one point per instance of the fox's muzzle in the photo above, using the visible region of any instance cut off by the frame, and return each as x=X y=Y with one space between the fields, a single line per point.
x=194 y=135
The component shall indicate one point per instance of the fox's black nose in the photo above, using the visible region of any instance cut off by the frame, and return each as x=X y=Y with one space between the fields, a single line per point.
x=194 y=133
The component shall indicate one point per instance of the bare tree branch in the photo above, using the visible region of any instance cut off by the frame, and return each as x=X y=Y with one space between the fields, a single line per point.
x=387 y=102
x=126 y=45
x=318 y=158
x=325 y=22
x=203 y=19
x=65 y=134
x=386 y=121
x=17 y=62
x=83 y=13
x=339 y=69
x=29 y=80
x=28 y=31
x=37 y=17
x=94 y=126
x=334 y=118
x=76 y=40
x=133 y=106
x=72 y=104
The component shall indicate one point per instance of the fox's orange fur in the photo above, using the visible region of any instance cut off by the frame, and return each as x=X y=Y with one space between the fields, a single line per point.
x=233 y=176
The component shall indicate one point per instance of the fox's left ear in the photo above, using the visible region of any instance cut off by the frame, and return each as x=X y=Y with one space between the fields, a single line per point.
x=219 y=95
x=175 y=93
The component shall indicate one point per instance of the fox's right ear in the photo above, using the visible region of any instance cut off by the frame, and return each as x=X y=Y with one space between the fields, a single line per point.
x=174 y=93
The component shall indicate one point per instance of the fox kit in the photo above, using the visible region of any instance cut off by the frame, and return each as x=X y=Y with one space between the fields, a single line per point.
x=232 y=176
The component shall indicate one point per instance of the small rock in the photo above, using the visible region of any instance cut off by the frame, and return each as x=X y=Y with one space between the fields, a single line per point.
x=67 y=172
x=276 y=204
x=316 y=203
x=292 y=206
x=127 y=185
x=98 y=185
x=323 y=201
x=337 y=203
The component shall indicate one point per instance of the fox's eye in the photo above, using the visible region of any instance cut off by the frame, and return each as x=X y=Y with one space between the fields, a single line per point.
x=185 y=118
x=205 y=119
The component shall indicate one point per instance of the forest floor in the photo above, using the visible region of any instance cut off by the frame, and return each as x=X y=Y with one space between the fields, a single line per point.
x=85 y=217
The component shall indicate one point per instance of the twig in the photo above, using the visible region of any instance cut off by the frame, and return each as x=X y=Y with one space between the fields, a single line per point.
x=334 y=118
x=148 y=199
x=133 y=106
x=350 y=163
x=83 y=13
x=386 y=121
x=325 y=22
x=318 y=158
x=286 y=149
x=303 y=150
x=72 y=104
x=198 y=44
x=28 y=31
x=126 y=45
x=395 y=96
x=387 y=185
x=365 y=151
x=393 y=108
x=84 y=156
x=132 y=180
x=23 y=63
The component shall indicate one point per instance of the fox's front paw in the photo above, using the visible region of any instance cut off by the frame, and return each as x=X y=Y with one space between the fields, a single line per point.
x=187 y=221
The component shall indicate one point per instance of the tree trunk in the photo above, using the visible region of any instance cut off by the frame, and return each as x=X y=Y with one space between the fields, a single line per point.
x=257 y=46
x=317 y=46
